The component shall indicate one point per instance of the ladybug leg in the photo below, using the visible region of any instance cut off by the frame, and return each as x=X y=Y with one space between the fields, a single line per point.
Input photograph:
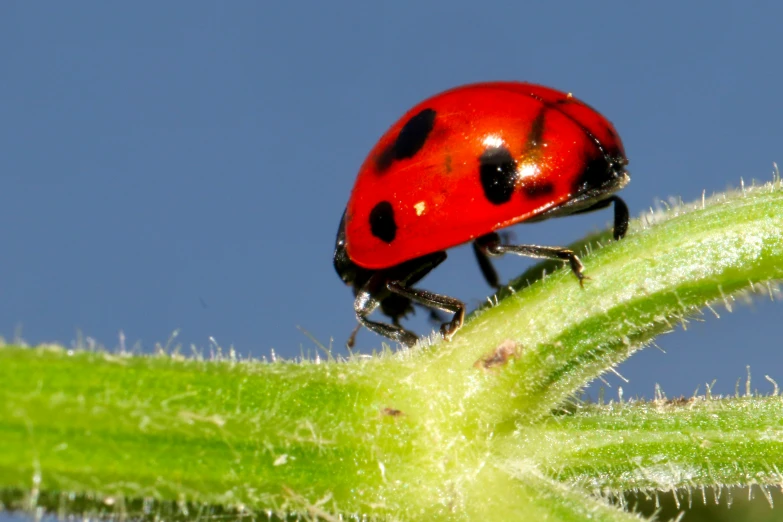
x=435 y=317
x=367 y=300
x=621 y=215
x=484 y=262
x=541 y=252
x=352 y=338
x=433 y=300
x=412 y=272
x=396 y=281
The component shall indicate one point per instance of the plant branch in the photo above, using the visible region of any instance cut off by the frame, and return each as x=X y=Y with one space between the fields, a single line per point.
x=661 y=445
x=440 y=432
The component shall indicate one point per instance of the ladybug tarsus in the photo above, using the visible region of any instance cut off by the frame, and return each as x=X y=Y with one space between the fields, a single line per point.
x=352 y=338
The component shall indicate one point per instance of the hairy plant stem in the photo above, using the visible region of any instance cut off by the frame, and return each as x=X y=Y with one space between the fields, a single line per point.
x=443 y=431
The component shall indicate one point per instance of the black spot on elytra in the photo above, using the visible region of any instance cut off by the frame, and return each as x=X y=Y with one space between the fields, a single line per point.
x=413 y=134
x=410 y=140
x=382 y=224
x=498 y=172
x=536 y=190
x=385 y=159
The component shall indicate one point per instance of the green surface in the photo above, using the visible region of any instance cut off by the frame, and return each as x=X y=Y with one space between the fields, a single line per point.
x=431 y=433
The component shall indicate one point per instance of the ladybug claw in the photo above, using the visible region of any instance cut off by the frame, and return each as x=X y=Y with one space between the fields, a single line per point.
x=447 y=330
x=408 y=339
x=349 y=344
x=447 y=336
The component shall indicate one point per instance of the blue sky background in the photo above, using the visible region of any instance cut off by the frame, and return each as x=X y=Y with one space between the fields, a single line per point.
x=184 y=165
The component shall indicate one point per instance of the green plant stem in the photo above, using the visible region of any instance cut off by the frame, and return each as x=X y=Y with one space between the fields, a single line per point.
x=433 y=433
x=616 y=447
x=639 y=288
x=215 y=433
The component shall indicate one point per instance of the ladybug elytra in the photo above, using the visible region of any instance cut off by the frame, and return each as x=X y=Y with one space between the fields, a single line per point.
x=456 y=168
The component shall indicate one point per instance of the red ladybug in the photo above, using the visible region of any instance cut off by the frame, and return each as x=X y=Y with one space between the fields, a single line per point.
x=456 y=168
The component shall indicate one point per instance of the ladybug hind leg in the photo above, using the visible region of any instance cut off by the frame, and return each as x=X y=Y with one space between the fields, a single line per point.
x=621 y=214
x=397 y=281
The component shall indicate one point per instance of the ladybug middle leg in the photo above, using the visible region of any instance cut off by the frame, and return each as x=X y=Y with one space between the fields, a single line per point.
x=484 y=262
x=392 y=305
x=398 y=280
x=490 y=245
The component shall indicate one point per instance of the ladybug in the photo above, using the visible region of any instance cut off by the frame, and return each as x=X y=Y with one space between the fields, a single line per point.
x=456 y=168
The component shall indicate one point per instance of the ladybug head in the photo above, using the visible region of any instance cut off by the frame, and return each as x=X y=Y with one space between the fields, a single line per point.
x=349 y=272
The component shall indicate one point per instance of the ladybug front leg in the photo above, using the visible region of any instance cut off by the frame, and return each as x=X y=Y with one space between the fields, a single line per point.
x=367 y=300
x=397 y=280
x=402 y=278
x=433 y=300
